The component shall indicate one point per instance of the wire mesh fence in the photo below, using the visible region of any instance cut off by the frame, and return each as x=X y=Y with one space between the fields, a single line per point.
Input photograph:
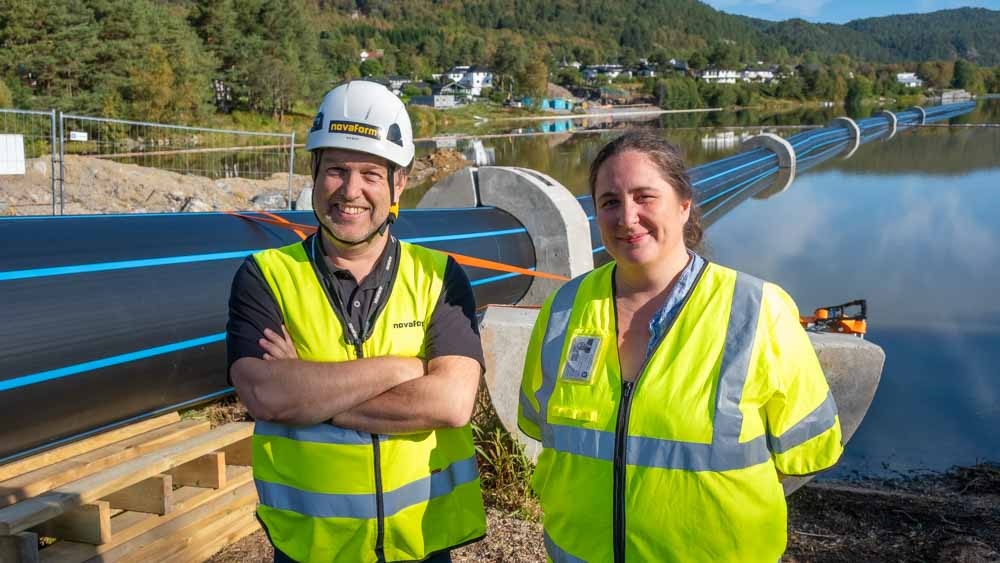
x=112 y=165
x=28 y=148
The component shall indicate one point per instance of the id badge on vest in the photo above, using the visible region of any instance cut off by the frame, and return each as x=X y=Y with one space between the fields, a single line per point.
x=582 y=358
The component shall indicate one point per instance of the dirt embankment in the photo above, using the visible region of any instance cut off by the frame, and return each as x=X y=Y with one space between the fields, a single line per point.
x=97 y=185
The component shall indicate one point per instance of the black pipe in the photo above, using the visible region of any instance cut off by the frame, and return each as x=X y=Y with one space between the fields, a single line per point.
x=110 y=317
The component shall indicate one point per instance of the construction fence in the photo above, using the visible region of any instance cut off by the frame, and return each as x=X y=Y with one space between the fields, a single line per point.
x=61 y=163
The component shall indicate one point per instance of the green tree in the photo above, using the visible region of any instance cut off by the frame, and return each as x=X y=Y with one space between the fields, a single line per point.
x=533 y=80
x=967 y=77
x=569 y=76
x=372 y=68
x=725 y=55
x=6 y=98
x=151 y=86
x=697 y=61
x=858 y=89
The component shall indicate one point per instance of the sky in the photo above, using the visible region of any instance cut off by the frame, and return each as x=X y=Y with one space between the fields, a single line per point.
x=839 y=11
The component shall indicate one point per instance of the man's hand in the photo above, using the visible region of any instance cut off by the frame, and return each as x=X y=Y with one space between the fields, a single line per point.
x=278 y=346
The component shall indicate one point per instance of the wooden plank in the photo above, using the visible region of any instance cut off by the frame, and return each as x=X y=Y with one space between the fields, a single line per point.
x=19 y=548
x=240 y=453
x=34 y=511
x=195 y=535
x=15 y=468
x=239 y=529
x=90 y=523
x=141 y=547
x=154 y=495
x=208 y=470
x=41 y=480
x=130 y=525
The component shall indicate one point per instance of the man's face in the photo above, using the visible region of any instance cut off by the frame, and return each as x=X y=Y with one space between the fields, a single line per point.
x=351 y=193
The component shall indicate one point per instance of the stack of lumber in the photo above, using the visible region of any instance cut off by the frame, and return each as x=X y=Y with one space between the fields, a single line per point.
x=163 y=489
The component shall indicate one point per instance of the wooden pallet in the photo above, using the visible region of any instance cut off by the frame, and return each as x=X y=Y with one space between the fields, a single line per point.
x=162 y=490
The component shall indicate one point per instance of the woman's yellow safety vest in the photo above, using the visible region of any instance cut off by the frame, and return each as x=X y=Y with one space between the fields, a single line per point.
x=681 y=464
x=333 y=494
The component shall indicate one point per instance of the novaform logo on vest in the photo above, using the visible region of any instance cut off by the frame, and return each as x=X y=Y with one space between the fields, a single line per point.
x=411 y=324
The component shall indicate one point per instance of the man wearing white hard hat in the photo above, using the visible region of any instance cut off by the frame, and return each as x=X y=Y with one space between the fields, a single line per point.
x=359 y=357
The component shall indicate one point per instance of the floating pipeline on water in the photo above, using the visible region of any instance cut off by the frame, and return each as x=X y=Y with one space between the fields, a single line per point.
x=115 y=318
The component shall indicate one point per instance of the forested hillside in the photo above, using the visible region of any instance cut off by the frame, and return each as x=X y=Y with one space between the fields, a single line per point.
x=157 y=59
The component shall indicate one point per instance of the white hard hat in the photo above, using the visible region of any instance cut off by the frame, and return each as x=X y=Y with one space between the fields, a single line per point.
x=364 y=116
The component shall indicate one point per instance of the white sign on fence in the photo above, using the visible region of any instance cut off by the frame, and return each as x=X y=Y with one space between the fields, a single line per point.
x=12 y=154
x=77 y=135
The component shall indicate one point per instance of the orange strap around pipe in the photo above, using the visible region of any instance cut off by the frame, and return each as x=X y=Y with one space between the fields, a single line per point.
x=462 y=259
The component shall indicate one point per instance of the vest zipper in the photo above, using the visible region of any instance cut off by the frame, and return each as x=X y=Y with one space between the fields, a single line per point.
x=621 y=437
x=379 y=503
x=624 y=409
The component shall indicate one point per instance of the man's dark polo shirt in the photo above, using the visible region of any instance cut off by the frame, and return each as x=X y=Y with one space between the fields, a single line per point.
x=452 y=330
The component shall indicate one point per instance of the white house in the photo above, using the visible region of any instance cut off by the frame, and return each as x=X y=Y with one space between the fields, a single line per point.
x=909 y=79
x=720 y=76
x=475 y=79
x=646 y=71
x=757 y=75
x=456 y=73
x=472 y=79
x=611 y=71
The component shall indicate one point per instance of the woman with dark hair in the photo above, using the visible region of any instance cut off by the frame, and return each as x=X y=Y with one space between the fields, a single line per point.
x=669 y=393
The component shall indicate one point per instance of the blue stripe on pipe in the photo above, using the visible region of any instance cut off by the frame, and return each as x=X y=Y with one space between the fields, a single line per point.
x=818 y=145
x=745 y=182
x=116 y=424
x=120 y=265
x=191 y=258
x=598 y=249
x=74 y=369
x=731 y=170
x=821 y=154
x=483 y=281
x=462 y=236
x=823 y=134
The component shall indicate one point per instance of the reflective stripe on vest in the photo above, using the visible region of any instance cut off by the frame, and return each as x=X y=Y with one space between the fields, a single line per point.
x=324 y=433
x=558 y=554
x=725 y=452
x=363 y=506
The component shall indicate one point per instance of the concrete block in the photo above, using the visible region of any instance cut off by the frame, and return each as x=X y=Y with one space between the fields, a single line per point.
x=853 y=368
x=557 y=225
x=850 y=125
x=305 y=200
x=891 y=117
x=456 y=190
x=922 y=112
x=775 y=144
x=506 y=332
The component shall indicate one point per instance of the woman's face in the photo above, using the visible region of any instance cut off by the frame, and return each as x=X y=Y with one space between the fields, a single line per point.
x=638 y=212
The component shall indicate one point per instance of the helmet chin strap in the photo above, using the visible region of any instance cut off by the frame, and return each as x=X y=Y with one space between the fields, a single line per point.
x=393 y=206
x=390 y=219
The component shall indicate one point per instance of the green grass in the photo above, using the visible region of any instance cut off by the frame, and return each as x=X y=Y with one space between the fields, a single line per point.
x=504 y=469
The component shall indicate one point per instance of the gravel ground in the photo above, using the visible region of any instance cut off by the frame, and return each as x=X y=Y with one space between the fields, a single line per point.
x=939 y=519
x=510 y=541
x=950 y=518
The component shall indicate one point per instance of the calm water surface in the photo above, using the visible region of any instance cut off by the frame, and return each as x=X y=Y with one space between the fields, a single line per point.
x=913 y=226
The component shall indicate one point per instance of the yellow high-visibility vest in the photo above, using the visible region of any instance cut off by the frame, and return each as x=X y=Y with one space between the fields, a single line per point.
x=334 y=494
x=681 y=464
